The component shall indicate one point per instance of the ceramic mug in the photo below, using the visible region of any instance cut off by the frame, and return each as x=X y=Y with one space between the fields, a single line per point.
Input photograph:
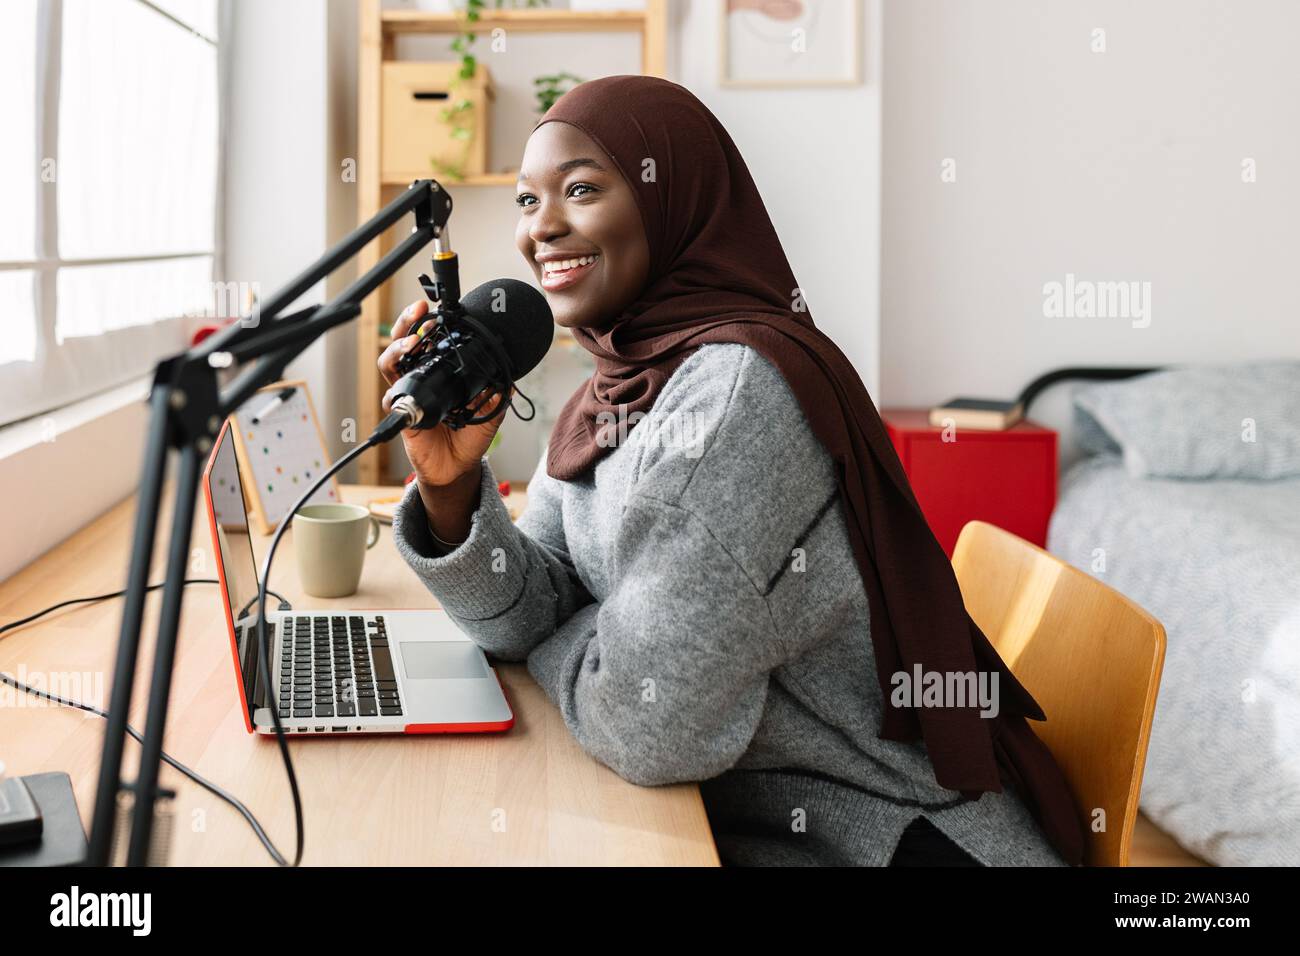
x=331 y=542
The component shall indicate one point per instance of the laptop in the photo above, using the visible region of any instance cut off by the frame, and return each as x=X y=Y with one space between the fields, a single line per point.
x=338 y=671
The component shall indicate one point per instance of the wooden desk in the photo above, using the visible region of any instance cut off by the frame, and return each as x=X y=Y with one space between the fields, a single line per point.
x=529 y=796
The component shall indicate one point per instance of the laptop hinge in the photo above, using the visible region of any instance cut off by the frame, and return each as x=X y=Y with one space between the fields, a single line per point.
x=258 y=693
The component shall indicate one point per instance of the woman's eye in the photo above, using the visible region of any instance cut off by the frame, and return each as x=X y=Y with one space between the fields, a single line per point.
x=522 y=200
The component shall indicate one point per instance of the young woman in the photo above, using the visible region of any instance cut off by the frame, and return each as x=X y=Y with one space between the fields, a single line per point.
x=722 y=575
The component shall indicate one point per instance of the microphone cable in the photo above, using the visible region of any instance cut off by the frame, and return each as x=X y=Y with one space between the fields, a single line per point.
x=264 y=644
x=388 y=429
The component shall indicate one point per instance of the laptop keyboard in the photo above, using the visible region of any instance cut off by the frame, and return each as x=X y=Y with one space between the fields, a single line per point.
x=337 y=666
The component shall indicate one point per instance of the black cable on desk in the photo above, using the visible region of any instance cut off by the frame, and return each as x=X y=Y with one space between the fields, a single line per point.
x=264 y=642
x=207 y=785
x=265 y=667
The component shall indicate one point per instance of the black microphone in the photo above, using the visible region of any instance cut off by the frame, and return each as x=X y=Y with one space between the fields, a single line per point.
x=504 y=330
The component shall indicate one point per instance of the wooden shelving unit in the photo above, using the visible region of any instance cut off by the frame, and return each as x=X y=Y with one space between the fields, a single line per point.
x=538 y=20
x=379 y=29
x=487 y=179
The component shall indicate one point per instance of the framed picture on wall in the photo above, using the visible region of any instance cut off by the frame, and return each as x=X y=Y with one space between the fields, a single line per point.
x=775 y=43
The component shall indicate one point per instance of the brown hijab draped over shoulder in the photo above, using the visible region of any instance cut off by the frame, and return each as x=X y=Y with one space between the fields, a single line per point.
x=718 y=274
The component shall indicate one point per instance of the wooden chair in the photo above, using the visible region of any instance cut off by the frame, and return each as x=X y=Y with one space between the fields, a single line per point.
x=1087 y=654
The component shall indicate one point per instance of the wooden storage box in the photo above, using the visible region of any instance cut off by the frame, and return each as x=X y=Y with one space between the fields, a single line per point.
x=413 y=131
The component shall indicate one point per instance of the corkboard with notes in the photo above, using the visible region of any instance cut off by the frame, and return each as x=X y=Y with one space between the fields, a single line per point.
x=280 y=454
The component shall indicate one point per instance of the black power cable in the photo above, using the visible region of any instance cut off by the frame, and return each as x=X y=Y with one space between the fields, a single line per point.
x=207 y=785
x=390 y=423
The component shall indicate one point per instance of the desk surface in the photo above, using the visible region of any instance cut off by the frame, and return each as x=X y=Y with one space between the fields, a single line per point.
x=529 y=796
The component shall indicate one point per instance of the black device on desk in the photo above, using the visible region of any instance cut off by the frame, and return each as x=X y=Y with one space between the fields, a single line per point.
x=20 y=817
x=39 y=822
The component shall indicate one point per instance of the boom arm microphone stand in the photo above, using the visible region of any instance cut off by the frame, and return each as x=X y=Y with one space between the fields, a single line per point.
x=186 y=412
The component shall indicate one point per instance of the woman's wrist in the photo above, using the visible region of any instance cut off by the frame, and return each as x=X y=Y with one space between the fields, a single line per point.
x=446 y=546
x=449 y=508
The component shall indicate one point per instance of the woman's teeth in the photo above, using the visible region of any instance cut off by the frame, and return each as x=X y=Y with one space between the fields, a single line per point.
x=564 y=265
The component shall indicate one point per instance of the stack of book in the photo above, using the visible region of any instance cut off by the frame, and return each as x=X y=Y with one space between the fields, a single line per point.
x=989 y=414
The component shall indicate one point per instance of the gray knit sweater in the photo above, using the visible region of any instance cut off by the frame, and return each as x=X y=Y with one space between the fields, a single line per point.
x=693 y=608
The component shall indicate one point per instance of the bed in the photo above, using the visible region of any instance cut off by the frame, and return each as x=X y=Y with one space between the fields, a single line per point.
x=1206 y=536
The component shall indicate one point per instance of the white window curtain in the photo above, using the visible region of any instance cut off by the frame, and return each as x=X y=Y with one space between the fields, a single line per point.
x=110 y=191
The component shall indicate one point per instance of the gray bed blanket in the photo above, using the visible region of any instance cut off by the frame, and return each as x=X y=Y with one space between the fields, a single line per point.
x=1218 y=562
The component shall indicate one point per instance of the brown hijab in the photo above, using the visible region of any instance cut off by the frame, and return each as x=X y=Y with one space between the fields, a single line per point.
x=718 y=274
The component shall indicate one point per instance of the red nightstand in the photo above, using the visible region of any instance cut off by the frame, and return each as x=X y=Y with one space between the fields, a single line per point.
x=1007 y=478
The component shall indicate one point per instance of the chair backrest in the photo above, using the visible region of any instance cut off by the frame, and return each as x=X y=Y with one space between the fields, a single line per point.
x=1090 y=657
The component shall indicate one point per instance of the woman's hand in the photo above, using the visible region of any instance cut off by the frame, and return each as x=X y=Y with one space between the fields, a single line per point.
x=446 y=460
x=440 y=455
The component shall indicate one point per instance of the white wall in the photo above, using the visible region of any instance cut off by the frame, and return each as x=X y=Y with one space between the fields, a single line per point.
x=1122 y=165
x=815 y=155
x=278 y=162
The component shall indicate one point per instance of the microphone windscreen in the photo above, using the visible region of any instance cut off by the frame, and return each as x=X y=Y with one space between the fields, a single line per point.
x=519 y=314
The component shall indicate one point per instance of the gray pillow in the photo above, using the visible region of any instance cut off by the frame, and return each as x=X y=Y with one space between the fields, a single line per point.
x=1091 y=438
x=1204 y=421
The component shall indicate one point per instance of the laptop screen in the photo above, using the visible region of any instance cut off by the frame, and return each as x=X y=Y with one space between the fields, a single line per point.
x=227 y=496
x=234 y=554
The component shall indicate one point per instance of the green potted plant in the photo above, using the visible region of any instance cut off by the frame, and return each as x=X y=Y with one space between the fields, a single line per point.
x=459 y=115
x=551 y=88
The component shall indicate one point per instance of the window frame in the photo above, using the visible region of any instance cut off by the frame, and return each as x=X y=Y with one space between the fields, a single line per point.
x=115 y=354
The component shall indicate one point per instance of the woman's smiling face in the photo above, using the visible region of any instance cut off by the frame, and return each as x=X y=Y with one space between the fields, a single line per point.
x=577 y=211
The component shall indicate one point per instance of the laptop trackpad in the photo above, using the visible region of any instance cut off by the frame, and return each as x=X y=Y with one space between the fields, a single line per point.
x=441 y=660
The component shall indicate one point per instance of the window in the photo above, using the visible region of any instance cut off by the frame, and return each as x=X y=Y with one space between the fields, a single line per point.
x=109 y=187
